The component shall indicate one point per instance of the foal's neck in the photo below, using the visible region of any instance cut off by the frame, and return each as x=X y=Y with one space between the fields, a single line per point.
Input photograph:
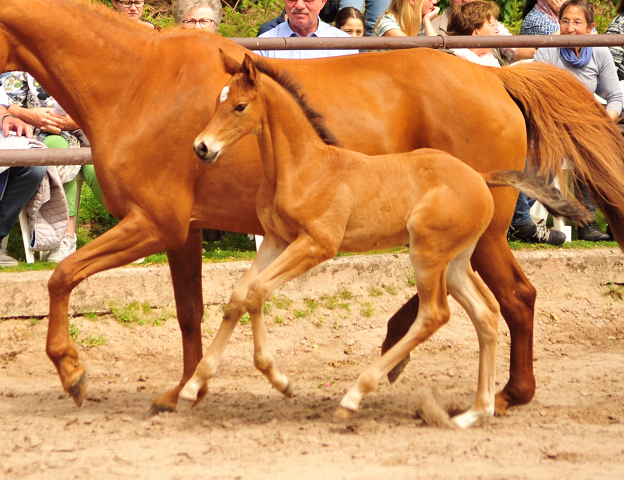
x=288 y=141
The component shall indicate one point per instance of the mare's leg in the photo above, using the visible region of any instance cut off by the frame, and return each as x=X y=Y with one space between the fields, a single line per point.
x=119 y=246
x=207 y=367
x=398 y=326
x=500 y=271
x=469 y=290
x=186 y=274
x=433 y=313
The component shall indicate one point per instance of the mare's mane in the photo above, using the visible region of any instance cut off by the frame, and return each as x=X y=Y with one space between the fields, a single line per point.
x=287 y=83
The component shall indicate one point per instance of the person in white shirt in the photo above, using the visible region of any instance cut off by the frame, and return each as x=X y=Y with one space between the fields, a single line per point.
x=303 y=21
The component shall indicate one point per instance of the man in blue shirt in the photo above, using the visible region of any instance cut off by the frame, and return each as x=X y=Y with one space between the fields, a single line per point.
x=303 y=21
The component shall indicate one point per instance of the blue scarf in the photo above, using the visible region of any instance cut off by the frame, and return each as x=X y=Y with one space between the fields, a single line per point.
x=580 y=61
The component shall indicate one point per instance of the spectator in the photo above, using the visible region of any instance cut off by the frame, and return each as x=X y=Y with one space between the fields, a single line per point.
x=540 y=17
x=617 y=27
x=33 y=105
x=373 y=9
x=204 y=14
x=302 y=20
x=503 y=55
x=17 y=184
x=593 y=67
x=475 y=18
x=350 y=20
x=133 y=10
x=407 y=18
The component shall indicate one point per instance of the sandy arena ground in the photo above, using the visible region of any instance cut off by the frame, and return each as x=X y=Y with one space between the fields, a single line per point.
x=573 y=429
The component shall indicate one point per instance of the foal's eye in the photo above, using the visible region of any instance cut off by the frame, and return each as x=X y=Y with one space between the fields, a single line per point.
x=240 y=107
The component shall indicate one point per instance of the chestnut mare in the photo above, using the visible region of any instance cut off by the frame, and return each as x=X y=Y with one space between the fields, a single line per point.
x=316 y=200
x=140 y=98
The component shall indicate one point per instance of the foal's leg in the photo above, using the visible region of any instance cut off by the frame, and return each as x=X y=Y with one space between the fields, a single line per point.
x=299 y=257
x=471 y=293
x=119 y=246
x=432 y=314
x=186 y=274
x=207 y=367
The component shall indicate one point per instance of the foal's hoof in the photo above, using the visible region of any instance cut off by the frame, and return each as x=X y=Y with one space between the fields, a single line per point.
x=184 y=404
x=78 y=389
x=343 y=413
x=398 y=369
x=288 y=391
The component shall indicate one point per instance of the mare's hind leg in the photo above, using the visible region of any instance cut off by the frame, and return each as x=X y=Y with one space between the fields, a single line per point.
x=186 y=275
x=207 y=367
x=500 y=271
x=119 y=246
x=432 y=314
x=471 y=293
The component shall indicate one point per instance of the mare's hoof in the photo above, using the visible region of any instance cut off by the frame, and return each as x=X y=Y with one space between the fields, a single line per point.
x=342 y=413
x=288 y=392
x=156 y=409
x=500 y=406
x=398 y=370
x=78 y=389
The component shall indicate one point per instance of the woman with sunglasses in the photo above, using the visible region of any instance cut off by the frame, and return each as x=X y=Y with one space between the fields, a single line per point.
x=203 y=14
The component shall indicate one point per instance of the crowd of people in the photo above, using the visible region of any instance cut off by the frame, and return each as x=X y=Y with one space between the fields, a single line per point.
x=30 y=113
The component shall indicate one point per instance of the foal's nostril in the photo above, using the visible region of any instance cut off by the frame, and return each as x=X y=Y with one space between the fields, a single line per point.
x=202 y=150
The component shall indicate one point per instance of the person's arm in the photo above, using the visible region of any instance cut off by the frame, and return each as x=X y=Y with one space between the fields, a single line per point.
x=43 y=118
x=394 y=32
x=429 y=30
x=610 y=85
x=617 y=27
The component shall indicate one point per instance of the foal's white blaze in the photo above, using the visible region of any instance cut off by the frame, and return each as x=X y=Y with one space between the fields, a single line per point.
x=224 y=94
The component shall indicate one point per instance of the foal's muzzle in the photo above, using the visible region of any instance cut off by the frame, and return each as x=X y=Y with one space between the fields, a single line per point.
x=206 y=154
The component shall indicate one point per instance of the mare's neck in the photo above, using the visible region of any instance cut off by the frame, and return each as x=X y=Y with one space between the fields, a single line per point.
x=81 y=54
x=288 y=142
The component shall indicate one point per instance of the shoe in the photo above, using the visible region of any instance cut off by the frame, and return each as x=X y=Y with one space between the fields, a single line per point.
x=139 y=261
x=532 y=233
x=64 y=249
x=592 y=233
x=6 y=260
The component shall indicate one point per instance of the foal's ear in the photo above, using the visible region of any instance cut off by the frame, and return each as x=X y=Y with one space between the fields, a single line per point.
x=249 y=68
x=230 y=65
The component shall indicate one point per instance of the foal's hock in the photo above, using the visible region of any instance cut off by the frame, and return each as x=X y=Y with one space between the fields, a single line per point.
x=317 y=199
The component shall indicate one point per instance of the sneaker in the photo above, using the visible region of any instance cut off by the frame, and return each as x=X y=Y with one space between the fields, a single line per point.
x=592 y=233
x=532 y=233
x=6 y=260
x=64 y=249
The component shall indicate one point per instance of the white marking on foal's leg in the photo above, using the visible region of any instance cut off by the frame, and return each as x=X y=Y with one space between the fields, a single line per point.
x=469 y=418
x=224 y=94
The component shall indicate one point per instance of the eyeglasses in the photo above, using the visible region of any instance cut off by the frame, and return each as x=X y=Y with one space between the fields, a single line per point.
x=129 y=4
x=202 y=22
x=575 y=23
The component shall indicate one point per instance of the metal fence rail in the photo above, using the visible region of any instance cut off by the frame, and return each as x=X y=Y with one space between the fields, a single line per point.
x=82 y=156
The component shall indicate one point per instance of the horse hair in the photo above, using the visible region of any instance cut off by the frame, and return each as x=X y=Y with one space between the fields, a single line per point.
x=287 y=83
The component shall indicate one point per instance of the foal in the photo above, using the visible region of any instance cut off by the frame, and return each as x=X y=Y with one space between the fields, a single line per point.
x=317 y=199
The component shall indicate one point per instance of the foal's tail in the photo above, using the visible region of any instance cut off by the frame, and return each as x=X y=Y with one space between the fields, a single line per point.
x=535 y=187
x=565 y=122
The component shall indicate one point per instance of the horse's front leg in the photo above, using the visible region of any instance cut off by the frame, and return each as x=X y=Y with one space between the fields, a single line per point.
x=126 y=242
x=186 y=275
x=207 y=367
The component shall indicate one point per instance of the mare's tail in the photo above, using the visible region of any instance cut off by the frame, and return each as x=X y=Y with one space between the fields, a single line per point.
x=535 y=187
x=565 y=122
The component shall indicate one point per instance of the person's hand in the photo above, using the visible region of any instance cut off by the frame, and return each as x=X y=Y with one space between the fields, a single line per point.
x=432 y=14
x=12 y=124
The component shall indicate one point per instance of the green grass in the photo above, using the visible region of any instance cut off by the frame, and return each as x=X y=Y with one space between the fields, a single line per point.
x=245 y=319
x=141 y=314
x=367 y=310
x=94 y=340
x=74 y=331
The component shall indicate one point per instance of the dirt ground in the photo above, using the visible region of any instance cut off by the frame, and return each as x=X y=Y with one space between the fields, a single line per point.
x=574 y=428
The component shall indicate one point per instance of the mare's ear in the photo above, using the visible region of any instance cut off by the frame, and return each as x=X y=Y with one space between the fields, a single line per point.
x=230 y=65
x=249 y=68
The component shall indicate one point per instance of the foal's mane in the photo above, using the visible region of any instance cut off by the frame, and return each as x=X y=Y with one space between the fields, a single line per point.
x=287 y=83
